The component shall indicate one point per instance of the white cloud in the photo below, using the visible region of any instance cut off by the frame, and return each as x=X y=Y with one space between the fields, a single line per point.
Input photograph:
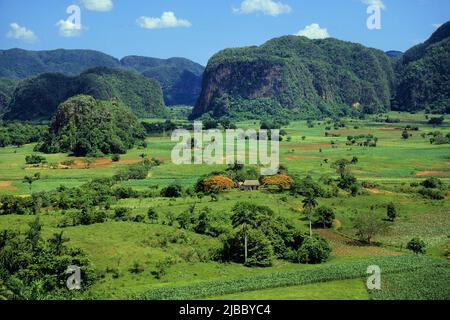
x=98 y=5
x=437 y=25
x=69 y=29
x=378 y=3
x=21 y=33
x=167 y=20
x=268 y=7
x=314 y=31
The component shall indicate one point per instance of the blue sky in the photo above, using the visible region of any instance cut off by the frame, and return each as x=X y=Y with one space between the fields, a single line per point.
x=196 y=29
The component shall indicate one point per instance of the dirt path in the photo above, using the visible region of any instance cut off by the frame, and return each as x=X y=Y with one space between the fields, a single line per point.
x=7 y=186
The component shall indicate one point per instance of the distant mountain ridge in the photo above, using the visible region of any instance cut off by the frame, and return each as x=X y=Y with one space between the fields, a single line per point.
x=180 y=78
x=37 y=98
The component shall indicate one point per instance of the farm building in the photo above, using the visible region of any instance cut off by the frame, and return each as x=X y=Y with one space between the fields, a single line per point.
x=249 y=185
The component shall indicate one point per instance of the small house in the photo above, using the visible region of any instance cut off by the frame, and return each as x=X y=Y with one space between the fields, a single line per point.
x=249 y=185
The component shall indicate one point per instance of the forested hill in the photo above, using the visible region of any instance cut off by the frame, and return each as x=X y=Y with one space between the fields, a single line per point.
x=293 y=75
x=180 y=78
x=424 y=75
x=37 y=98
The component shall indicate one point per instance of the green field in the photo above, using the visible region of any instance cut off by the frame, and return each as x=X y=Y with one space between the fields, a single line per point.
x=389 y=168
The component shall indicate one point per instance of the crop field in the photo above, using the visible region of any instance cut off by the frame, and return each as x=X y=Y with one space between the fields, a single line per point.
x=143 y=259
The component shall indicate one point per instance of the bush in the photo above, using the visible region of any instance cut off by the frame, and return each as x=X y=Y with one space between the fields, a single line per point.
x=35 y=159
x=432 y=183
x=115 y=158
x=152 y=215
x=433 y=194
x=417 y=246
x=172 y=191
x=391 y=212
x=281 y=181
x=217 y=184
x=314 y=251
x=325 y=216
x=121 y=213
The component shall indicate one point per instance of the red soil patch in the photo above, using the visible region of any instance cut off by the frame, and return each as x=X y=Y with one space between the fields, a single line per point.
x=391 y=129
x=79 y=164
x=132 y=161
x=427 y=173
x=377 y=191
x=6 y=186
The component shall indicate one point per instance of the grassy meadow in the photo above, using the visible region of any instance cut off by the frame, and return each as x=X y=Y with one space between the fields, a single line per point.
x=389 y=169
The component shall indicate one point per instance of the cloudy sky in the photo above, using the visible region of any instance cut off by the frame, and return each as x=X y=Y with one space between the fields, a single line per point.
x=196 y=29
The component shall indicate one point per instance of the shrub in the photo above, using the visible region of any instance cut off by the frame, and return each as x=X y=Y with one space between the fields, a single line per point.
x=115 y=158
x=325 y=216
x=432 y=183
x=121 y=213
x=172 y=191
x=136 y=268
x=433 y=194
x=391 y=212
x=314 y=250
x=417 y=246
x=152 y=215
x=35 y=159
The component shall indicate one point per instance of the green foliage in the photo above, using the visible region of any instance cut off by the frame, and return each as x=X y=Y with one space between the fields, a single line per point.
x=39 y=97
x=18 y=134
x=34 y=269
x=347 y=270
x=367 y=226
x=423 y=80
x=417 y=246
x=391 y=211
x=35 y=159
x=314 y=250
x=172 y=191
x=325 y=216
x=289 y=77
x=85 y=126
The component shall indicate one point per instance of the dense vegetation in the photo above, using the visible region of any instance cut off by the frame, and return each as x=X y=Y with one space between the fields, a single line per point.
x=6 y=90
x=296 y=76
x=424 y=75
x=85 y=126
x=180 y=78
x=18 y=134
x=39 y=97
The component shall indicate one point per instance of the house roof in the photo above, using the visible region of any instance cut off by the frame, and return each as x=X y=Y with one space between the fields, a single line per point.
x=251 y=183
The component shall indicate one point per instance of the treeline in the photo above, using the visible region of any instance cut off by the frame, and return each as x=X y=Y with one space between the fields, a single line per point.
x=18 y=134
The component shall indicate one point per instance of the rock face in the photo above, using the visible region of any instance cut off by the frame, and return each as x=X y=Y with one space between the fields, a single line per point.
x=38 y=98
x=424 y=75
x=296 y=75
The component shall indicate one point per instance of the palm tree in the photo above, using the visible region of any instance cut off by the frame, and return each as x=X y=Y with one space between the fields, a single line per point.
x=309 y=203
x=244 y=214
x=31 y=179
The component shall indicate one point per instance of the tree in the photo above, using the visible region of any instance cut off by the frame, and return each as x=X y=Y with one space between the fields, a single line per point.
x=417 y=246
x=314 y=250
x=405 y=135
x=309 y=203
x=172 y=191
x=152 y=215
x=243 y=215
x=325 y=216
x=367 y=226
x=31 y=179
x=391 y=212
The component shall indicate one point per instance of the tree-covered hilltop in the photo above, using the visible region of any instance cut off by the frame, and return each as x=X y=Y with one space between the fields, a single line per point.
x=424 y=75
x=38 y=97
x=295 y=75
x=181 y=79
x=86 y=126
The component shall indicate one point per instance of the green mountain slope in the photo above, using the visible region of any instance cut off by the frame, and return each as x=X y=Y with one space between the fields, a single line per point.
x=424 y=75
x=292 y=76
x=6 y=91
x=180 y=78
x=39 y=97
